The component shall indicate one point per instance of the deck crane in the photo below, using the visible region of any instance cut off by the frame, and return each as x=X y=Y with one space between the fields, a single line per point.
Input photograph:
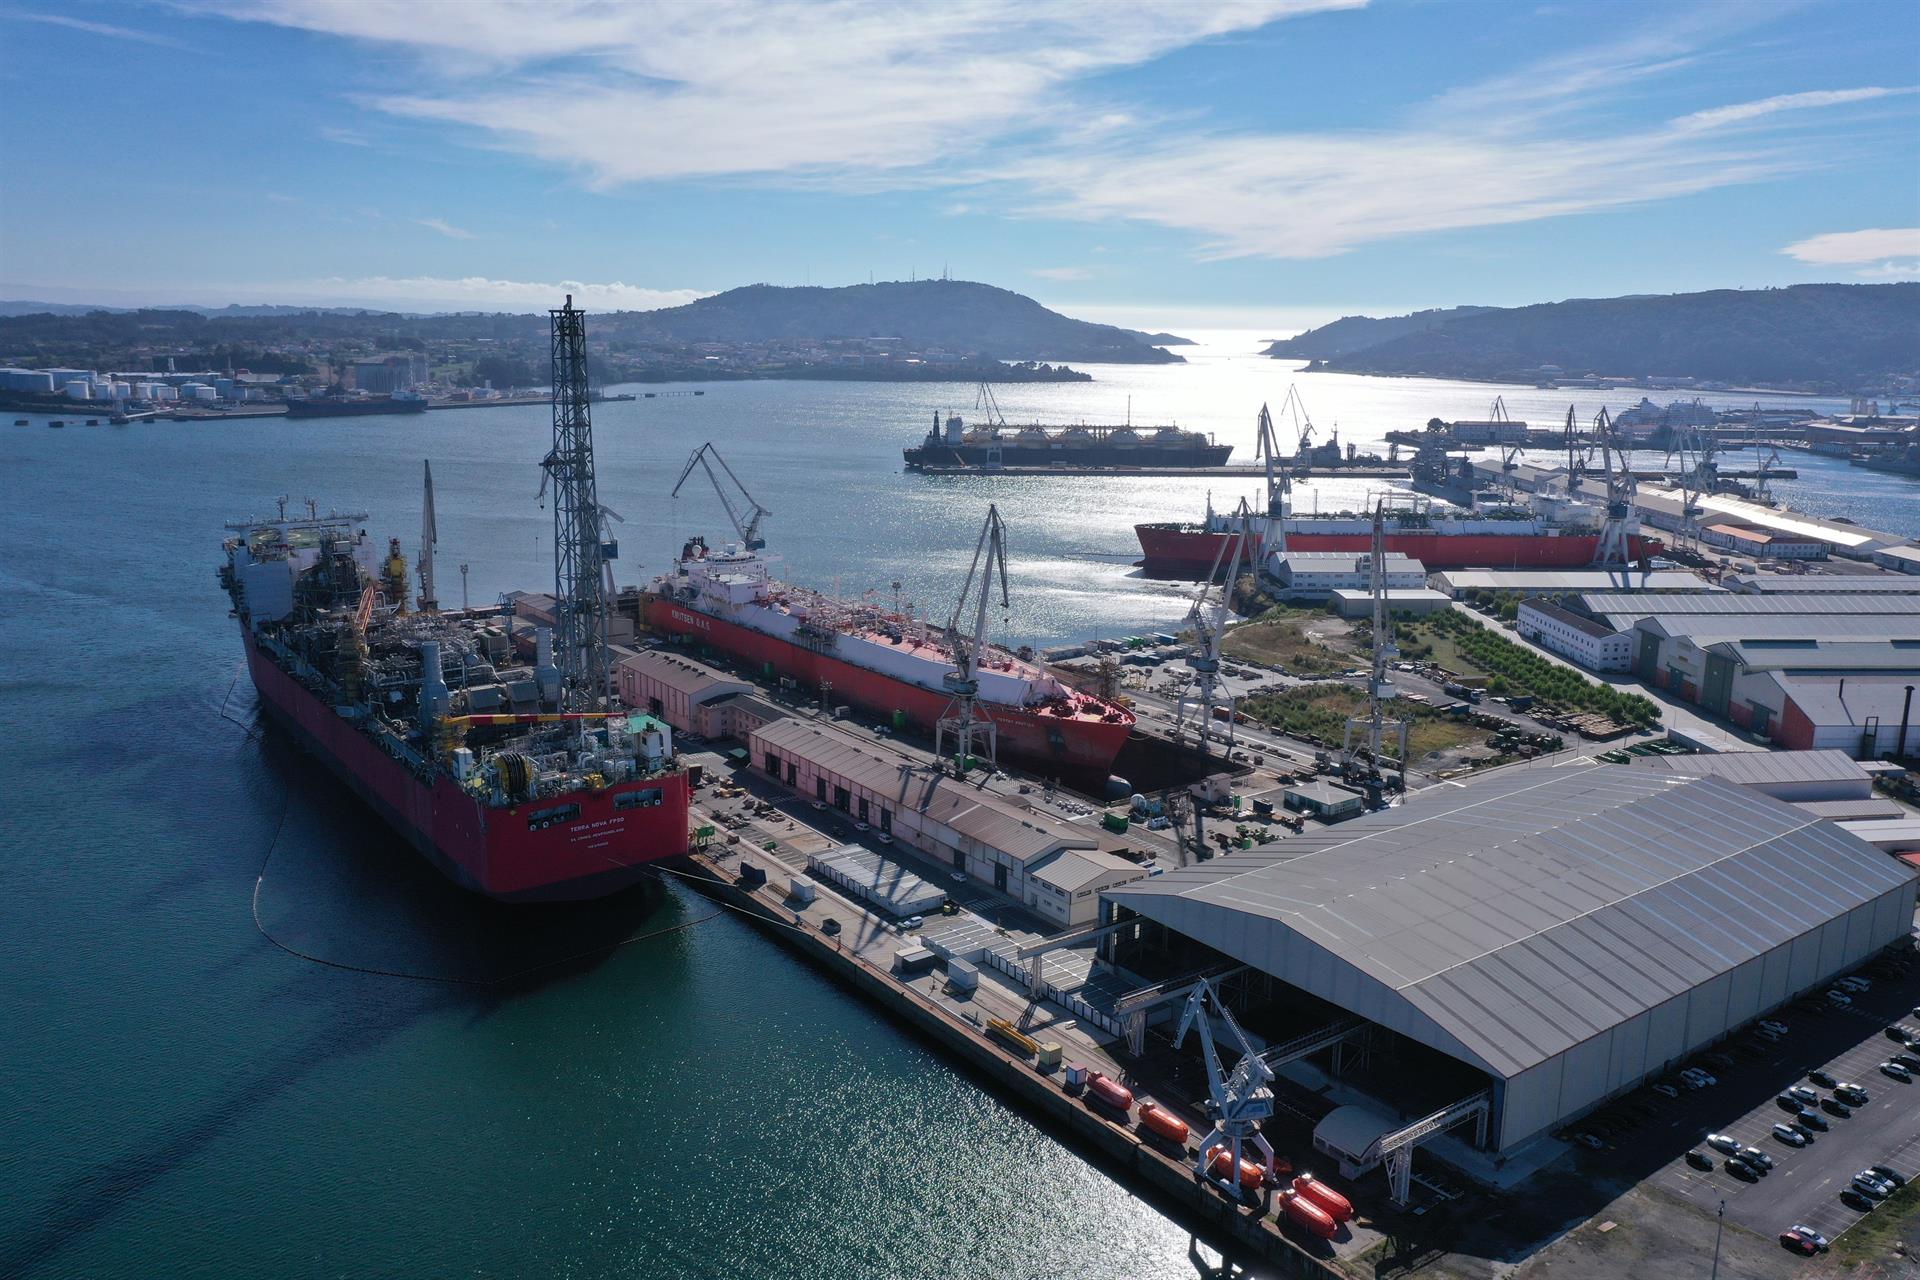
x=747 y=525
x=1380 y=690
x=1239 y=1099
x=962 y=719
x=1205 y=697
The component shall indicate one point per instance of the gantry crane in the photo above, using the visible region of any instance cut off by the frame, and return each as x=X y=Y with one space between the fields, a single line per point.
x=1212 y=607
x=962 y=719
x=1239 y=1099
x=747 y=525
x=1380 y=690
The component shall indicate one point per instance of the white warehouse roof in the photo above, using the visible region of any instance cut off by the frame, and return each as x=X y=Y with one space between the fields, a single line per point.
x=1507 y=922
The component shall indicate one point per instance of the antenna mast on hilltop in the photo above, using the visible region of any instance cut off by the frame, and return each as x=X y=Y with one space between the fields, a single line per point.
x=580 y=555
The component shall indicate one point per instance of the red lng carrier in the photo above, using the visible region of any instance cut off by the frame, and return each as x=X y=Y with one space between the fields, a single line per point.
x=430 y=718
x=1438 y=537
x=882 y=662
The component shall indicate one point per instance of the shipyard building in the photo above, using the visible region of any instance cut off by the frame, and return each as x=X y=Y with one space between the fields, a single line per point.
x=1541 y=941
x=1055 y=869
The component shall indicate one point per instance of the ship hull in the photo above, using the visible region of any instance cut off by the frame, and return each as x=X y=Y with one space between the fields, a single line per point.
x=1051 y=744
x=1183 y=551
x=1096 y=455
x=490 y=851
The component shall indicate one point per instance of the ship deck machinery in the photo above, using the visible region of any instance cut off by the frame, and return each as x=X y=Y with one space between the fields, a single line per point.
x=431 y=718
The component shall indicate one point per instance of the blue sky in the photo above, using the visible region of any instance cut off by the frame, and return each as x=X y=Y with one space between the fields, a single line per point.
x=1261 y=163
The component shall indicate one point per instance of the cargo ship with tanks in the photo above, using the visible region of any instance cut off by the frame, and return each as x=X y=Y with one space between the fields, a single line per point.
x=884 y=661
x=1438 y=537
x=522 y=781
x=354 y=406
x=955 y=444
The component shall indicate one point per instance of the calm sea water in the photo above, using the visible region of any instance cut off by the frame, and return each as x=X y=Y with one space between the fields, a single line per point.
x=187 y=1098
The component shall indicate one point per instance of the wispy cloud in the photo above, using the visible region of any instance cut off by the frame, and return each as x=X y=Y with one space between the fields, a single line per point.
x=483 y=293
x=630 y=93
x=1741 y=112
x=1062 y=273
x=444 y=227
x=345 y=137
x=105 y=29
x=1876 y=253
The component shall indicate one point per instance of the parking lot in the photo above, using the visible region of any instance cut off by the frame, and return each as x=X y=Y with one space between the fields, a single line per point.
x=1804 y=1184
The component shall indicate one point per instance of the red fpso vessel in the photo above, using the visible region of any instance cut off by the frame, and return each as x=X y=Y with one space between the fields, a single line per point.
x=1440 y=538
x=506 y=796
x=880 y=661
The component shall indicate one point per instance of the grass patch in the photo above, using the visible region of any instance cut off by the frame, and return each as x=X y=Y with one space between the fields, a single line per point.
x=1286 y=643
x=1873 y=1239
x=1320 y=711
x=1459 y=643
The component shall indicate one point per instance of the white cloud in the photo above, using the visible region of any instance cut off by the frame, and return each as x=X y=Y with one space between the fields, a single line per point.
x=1877 y=253
x=481 y=293
x=444 y=227
x=345 y=137
x=106 y=29
x=1062 y=273
x=640 y=92
x=1845 y=248
x=1741 y=112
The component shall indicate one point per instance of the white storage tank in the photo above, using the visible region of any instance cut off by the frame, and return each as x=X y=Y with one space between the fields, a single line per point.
x=78 y=390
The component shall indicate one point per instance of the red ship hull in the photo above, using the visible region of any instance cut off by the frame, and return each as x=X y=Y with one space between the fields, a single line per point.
x=1056 y=744
x=491 y=851
x=1185 y=551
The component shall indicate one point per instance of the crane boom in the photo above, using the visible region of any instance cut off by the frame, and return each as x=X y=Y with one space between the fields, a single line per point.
x=747 y=525
x=963 y=682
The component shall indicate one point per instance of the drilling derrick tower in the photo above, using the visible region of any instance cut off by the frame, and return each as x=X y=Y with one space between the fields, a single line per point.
x=580 y=552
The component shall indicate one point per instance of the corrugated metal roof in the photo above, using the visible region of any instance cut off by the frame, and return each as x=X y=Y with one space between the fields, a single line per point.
x=1532 y=911
x=1727 y=602
x=1560 y=581
x=1706 y=628
x=1762 y=768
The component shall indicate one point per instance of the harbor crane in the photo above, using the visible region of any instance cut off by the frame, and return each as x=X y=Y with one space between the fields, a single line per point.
x=1302 y=423
x=747 y=523
x=963 y=721
x=1372 y=727
x=1204 y=698
x=1615 y=549
x=1266 y=450
x=1238 y=1099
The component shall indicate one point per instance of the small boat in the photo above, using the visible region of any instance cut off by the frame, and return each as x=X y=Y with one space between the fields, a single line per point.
x=1162 y=1123
x=1220 y=1162
x=20 y=422
x=1308 y=1216
x=1331 y=1202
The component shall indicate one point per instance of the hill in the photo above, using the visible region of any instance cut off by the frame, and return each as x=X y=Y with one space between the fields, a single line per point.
x=1838 y=338
x=953 y=315
x=1355 y=333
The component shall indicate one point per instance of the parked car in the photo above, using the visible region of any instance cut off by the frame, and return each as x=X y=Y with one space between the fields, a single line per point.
x=1822 y=1079
x=1854 y=1198
x=1835 y=1107
x=1666 y=1091
x=1870 y=1184
x=1755 y=1156
x=1896 y=1071
x=1812 y=1120
x=1794 y=1242
x=1855 y=983
x=1742 y=1170
x=1803 y=1093
x=1700 y=1160
x=1889 y=1175
x=1588 y=1140
x=1900 y=1033
x=1820 y=1242
x=1697 y=1078
x=885 y=837
x=1722 y=1143
x=862 y=826
x=1778 y=1028
x=1787 y=1102
x=1851 y=1094
x=1906 y=1060
x=1836 y=996
x=1790 y=1135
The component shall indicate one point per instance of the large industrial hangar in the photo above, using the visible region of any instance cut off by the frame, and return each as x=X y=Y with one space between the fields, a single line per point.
x=1563 y=933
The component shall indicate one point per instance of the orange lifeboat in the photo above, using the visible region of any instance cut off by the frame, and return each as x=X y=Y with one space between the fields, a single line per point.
x=1308 y=1216
x=1220 y=1161
x=1162 y=1123
x=1109 y=1092
x=1335 y=1205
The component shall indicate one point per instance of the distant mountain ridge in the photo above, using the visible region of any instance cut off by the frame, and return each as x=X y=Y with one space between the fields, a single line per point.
x=1356 y=333
x=1833 y=337
x=957 y=315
